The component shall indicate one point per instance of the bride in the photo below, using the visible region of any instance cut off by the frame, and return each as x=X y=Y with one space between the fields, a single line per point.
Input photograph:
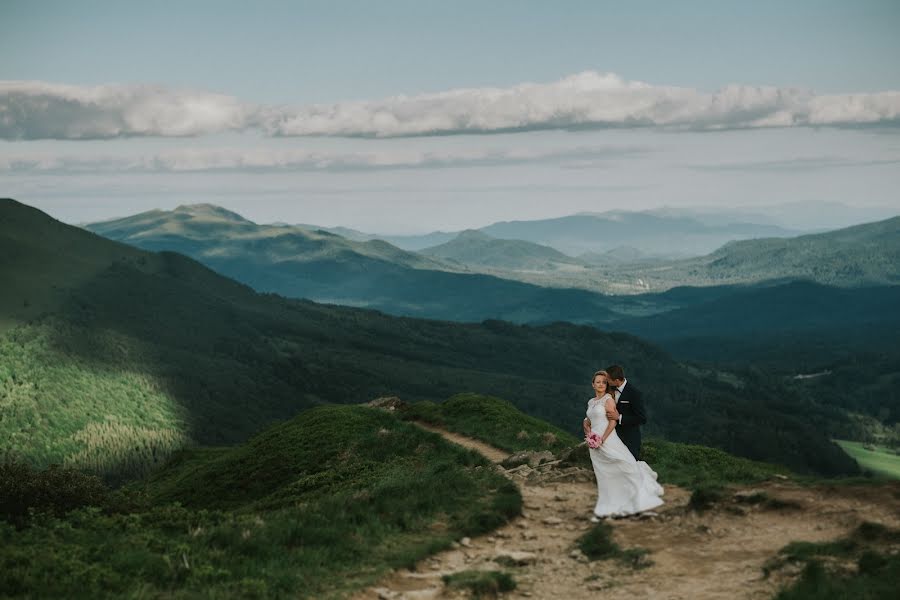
x=624 y=485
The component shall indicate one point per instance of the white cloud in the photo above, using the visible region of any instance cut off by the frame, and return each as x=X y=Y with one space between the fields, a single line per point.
x=34 y=110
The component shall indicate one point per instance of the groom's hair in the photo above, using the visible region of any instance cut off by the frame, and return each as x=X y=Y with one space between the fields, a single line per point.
x=615 y=372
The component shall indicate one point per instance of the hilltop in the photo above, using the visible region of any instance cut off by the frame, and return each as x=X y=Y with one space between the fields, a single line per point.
x=479 y=249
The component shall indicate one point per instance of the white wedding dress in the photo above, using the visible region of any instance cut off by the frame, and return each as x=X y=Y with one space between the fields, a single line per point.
x=624 y=485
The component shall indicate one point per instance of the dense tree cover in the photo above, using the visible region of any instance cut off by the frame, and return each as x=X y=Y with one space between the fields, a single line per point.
x=793 y=326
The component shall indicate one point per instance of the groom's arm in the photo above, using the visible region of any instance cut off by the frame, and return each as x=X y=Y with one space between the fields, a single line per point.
x=637 y=406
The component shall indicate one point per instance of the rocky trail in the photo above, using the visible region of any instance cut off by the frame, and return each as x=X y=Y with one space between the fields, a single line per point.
x=715 y=554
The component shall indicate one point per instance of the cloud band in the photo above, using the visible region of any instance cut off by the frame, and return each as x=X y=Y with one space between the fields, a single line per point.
x=38 y=110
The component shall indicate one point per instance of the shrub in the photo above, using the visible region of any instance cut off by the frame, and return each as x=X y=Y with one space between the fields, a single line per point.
x=598 y=544
x=481 y=583
x=705 y=497
x=55 y=490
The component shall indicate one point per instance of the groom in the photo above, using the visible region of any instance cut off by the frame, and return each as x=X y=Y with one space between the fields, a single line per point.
x=629 y=410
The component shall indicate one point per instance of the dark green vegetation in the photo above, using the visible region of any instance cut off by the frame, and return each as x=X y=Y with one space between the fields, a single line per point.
x=598 y=544
x=801 y=325
x=828 y=347
x=493 y=421
x=313 y=507
x=871 y=551
x=481 y=584
x=112 y=358
x=56 y=491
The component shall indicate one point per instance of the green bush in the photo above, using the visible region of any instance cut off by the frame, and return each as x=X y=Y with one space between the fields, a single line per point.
x=598 y=544
x=25 y=491
x=481 y=584
x=705 y=498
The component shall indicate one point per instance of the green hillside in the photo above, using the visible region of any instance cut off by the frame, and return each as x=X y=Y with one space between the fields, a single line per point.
x=481 y=250
x=312 y=508
x=492 y=420
x=863 y=255
x=881 y=461
x=127 y=354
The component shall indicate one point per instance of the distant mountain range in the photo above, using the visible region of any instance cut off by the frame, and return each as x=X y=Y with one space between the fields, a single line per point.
x=113 y=357
x=663 y=233
x=475 y=276
x=659 y=235
x=325 y=267
x=862 y=255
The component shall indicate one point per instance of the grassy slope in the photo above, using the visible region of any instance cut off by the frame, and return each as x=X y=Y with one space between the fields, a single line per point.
x=881 y=461
x=311 y=508
x=491 y=420
x=142 y=350
x=498 y=423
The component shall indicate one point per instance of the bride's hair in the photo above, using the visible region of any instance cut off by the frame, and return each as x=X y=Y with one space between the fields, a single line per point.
x=604 y=373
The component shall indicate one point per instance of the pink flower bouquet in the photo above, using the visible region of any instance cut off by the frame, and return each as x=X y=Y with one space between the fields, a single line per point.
x=594 y=440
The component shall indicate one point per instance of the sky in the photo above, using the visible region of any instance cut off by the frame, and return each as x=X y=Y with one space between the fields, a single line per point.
x=412 y=116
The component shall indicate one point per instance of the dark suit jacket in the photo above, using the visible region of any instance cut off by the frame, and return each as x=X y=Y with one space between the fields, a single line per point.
x=631 y=406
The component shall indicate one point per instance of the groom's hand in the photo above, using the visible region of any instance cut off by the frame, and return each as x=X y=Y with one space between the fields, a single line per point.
x=612 y=414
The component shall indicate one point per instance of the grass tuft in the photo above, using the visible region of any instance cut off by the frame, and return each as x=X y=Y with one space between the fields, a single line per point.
x=481 y=584
x=598 y=544
x=872 y=547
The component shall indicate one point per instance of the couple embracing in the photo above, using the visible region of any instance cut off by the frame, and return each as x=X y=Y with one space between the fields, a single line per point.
x=612 y=429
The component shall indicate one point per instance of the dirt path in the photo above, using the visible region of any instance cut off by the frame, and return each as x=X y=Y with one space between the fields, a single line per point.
x=714 y=555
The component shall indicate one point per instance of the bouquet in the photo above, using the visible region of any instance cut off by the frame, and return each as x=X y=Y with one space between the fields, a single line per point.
x=594 y=440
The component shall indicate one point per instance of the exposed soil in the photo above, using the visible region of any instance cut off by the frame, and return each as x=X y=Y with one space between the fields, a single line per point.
x=716 y=554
